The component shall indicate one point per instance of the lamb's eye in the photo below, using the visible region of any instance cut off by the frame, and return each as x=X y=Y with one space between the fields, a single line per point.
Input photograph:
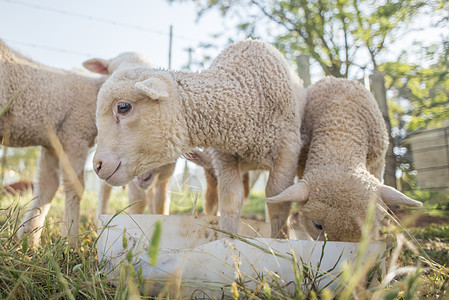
x=318 y=225
x=123 y=107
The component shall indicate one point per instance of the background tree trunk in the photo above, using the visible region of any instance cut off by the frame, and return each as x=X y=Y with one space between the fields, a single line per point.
x=378 y=86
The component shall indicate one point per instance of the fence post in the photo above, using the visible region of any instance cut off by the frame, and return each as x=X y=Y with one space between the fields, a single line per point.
x=302 y=62
x=170 y=45
x=378 y=86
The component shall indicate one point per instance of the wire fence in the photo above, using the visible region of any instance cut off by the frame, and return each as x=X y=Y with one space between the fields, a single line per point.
x=429 y=157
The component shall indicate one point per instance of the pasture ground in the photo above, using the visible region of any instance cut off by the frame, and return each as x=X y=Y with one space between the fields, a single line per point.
x=417 y=258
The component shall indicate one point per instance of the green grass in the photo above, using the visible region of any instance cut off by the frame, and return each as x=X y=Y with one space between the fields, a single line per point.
x=55 y=271
x=432 y=232
x=436 y=202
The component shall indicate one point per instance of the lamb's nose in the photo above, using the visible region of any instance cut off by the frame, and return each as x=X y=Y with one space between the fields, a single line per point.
x=97 y=167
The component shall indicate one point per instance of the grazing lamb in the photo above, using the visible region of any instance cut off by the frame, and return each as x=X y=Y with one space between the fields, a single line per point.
x=149 y=188
x=247 y=106
x=51 y=103
x=345 y=158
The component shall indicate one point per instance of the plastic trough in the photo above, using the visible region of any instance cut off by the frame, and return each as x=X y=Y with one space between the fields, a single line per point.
x=192 y=263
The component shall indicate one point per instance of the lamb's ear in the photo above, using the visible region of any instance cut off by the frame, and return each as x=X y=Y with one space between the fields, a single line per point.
x=391 y=195
x=97 y=65
x=155 y=88
x=298 y=192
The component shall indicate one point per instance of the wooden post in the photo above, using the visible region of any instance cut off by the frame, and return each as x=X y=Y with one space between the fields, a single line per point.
x=189 y=64
x=185 y=178
x=170 y=44
x=378 y=87
x=302 y=62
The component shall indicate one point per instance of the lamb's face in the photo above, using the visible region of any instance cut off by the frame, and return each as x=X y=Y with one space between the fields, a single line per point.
x=338 y=224
x=335 y=201
x=338 y=213
x=136 y=132
x=339 y=207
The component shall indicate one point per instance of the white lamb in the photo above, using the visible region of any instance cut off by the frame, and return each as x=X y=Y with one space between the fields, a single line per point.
x=248 y=106
x=342 y=161
x=50 y=100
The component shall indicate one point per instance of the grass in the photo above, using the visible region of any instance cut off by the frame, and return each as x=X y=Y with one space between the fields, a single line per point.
x=416 y=264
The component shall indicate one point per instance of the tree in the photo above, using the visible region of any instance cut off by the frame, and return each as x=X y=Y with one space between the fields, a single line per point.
x=419 y=98
x=421 y=92
x=337 y=34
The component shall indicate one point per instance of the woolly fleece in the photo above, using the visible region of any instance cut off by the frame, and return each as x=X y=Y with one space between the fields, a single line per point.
x=49 y=100
x=248 y=105
x=346 y=143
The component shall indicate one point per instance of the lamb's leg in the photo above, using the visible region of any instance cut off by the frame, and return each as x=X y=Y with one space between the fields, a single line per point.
x=161 y=199
x=230 y=190
x=246 y=187
x=137 y=198
x=150 y=199
x=73 y=182
x=103 y=198
x=211 y=196
x=282 y=175
x=47 y=183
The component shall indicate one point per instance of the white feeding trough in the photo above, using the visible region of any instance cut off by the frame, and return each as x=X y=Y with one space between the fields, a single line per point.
x=192 y=263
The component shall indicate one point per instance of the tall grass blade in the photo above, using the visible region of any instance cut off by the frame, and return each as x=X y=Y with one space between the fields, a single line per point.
x=61 y=278
x=3 y=111
x=155 y=243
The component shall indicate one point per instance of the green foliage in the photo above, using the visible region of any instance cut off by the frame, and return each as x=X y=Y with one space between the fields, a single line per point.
x=436 y=201
x=332 y=33
x=420 y=93
x=440 y=231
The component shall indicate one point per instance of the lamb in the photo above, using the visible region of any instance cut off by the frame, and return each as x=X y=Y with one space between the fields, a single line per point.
x=247 y=106
x=51 y=105
x=149 y=188
x=342 y=162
